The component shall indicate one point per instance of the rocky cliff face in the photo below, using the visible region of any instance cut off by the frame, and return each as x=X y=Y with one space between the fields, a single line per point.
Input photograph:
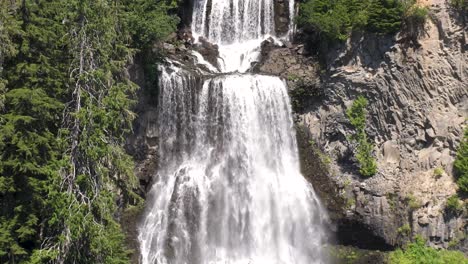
x=418 y=105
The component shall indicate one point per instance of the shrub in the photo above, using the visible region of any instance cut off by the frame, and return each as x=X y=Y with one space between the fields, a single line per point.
x=418 y=253
x=453 y=205
x=335 y=19
x=461 y=164
x=357 y=117
x=417 y=14
x=385 y=16
x=461 y=5
x=330 y=18
x=453 y=243
x=404 y=230
x=412 y=202
x=438 y=172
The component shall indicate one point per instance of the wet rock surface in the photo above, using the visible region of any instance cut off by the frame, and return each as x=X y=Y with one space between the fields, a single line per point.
x=282 y=17
x=288 y=63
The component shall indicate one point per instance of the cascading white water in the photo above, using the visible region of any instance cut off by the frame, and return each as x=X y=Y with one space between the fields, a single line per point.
x=228 y=188
x=238 y=27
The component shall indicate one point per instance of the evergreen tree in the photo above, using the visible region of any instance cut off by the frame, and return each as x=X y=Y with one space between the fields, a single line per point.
x=357 y=116
x=9 y=28
x=96 y=120
x=385 y=16
x=334 y=20
x=65 y=109
x=29 y=121
x=461 y=164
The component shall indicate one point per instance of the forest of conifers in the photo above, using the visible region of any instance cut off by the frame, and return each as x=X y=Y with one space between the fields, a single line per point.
x=64 y=111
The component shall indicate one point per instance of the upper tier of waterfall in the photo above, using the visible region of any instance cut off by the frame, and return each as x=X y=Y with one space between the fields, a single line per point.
x=237 y=27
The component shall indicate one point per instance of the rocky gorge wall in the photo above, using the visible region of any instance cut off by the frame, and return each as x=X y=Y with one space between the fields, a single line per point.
x=418 y=107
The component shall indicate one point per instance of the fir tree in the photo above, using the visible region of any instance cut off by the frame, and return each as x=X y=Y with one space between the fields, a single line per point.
x=65 y=110
x=28 y=125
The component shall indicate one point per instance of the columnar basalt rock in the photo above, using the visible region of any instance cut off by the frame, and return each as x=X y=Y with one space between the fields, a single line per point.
x=418 y=105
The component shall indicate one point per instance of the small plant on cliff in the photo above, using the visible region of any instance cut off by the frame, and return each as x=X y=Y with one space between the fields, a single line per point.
x=323 y=157
x=412 y=202
x=404 y=230
x=417 y=14
x=357 y=116
x=461 y=5
x=418 y=253
x=457 y=239
x=461 y=164
x=392 y=200
x=438 y=172
x=350 y=203
x=454 y=205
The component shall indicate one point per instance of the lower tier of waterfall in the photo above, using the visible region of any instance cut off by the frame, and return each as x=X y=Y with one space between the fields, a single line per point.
x=228 y=189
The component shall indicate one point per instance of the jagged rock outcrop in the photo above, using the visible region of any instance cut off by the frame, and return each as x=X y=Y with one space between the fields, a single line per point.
x=418 y=105
x=287 y=63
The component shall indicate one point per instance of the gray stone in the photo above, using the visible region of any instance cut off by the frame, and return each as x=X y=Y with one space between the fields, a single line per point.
x=417 y=108
x=423 y=220
x=169 y=48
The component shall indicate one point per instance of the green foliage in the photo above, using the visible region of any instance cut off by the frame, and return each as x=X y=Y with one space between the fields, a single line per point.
x=385 y=16
x=350 y=203
x=9 y=28
x=334 y=20
x=453 y=243
x=65 y=105
x=149 y=21
x=357 y=117
x=461 y=5
x=418 y=253
x=35 y=75
x=368 y=164
x=350 y=255
x=357 y=113
x=404 y=230
x=417 y=14
x=412 y=202
x=454 y=205
x=392 y=200
x=461 y=163
x=438 y=172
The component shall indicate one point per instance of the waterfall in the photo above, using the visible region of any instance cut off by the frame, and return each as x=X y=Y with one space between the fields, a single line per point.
x=238 y=27
x=228 y=188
